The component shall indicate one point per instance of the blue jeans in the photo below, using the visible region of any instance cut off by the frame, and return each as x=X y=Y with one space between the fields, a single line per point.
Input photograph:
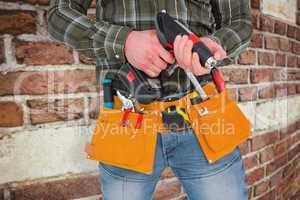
x=181 y=151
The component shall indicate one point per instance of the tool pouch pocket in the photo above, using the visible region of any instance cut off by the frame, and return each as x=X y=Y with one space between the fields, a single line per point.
x=124 y=146
x=219 y=125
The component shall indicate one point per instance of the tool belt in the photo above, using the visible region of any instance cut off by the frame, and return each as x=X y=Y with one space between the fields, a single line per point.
x=217 y=122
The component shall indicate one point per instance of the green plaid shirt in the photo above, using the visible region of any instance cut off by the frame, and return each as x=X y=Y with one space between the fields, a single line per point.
x=228 y=22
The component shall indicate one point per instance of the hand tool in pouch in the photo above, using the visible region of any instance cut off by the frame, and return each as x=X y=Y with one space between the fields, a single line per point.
x=175 y=117
x=108 y=93
x=127 y=108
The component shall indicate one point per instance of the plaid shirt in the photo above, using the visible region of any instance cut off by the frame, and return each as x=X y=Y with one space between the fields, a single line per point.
x=228 y=22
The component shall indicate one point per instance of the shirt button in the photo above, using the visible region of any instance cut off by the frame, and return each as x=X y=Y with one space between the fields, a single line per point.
x=117 y=56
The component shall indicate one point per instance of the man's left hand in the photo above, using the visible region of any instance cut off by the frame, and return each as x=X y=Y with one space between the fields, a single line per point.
x=188 y=60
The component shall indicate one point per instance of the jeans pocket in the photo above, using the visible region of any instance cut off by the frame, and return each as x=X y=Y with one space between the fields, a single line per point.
x=225 y=162
x=124 y=174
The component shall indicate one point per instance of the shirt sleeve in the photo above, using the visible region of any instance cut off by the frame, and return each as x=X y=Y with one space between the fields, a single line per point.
x=68 y=23
x=233 y=25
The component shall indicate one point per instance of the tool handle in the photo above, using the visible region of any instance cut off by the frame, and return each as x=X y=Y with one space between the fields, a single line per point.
x=199 y=47
x=218 y=79
x=125 y=117
x=139 y=121
x=108 y=94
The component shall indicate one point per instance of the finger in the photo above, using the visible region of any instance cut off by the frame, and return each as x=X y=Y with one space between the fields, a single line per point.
x=151 y=73
x=217 y=56
x=176 y=45
x=158 y=62
x=155 y=69
x=197 y=69
x=181 y=47
x=165 y=55
x=188 y=54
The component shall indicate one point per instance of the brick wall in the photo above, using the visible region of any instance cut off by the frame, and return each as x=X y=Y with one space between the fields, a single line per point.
x=49 y=99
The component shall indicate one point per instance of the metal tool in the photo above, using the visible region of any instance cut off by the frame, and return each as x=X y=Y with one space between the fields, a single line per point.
x=126 y=102
x=168 y=28
x=127 y=108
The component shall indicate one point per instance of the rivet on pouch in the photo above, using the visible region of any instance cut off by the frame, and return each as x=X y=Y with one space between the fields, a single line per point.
x=203 y=111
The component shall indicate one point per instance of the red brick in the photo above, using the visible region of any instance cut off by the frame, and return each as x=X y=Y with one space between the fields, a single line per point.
x=247 y=57
x=247 y=94
x=245 y=147
x=37 y=83
x=255 y=19
x=281 y=90
x=276 y=178
x=11 y=114
x=266 y=24
x=291 y=31
x=293 y=75
x=284 y=44
x=261 y=188
x=280 y=59
x=298 y=89
x=265 y=58
x=262 y=75
x=292 y=89
x=237 y=76
x=280 y=28
x=280 y=148
x=298 y=34
x=250 y=162
x=267 y=154
x=298 y=4
x=256 y=40
x=269 y=196
x=255 y=176
x=86 y=60
x=287 y=170
x=296 y=48
x=93 y=4
x=255 y=4
x=266 y=92
x=167 y=191
x=271 y=42
x=294 y=152
x=2 y=56
x=291 y=128
x=298 y=18
x=33 y=2
x=266 y=139
x=292 y=61
x=283 y=185
x=60 y=189
x=43 y=53
x=291 y=140
x=233 y=93
x=17 y=22
x=94 y=104
x=45 y=111
x=276 y=164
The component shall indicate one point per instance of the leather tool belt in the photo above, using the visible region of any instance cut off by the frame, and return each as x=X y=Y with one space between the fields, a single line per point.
x=217 y=122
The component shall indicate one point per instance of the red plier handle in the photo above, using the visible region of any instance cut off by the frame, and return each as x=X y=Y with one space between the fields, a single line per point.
x=125 y=115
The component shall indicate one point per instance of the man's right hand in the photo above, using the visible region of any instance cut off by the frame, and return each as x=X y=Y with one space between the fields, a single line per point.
x=144 y=51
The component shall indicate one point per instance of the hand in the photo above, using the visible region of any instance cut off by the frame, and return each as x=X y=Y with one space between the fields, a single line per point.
x=144 y=51
x=190 y=61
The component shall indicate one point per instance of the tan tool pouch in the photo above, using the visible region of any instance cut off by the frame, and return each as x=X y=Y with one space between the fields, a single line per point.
x=124 y=146
x=219 y=124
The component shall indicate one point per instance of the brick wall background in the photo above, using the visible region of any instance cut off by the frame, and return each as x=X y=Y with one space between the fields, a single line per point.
x=49 y=98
